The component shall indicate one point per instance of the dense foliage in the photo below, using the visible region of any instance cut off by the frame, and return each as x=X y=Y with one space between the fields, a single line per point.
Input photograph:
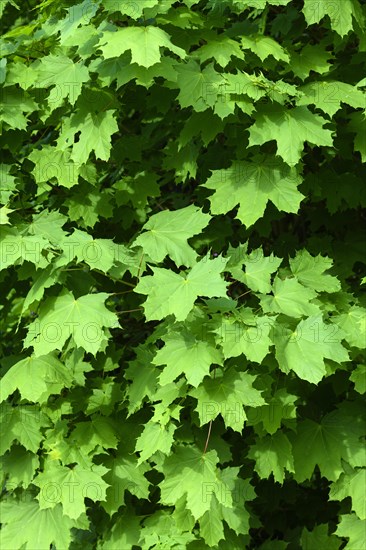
x=182 y=273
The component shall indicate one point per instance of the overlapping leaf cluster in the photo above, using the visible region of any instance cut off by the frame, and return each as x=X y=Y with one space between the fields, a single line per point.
x=182 y=273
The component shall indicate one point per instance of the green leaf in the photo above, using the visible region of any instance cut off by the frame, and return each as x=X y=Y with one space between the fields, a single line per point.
x=26 y=526
x=353 y=324
x=312 y=57
x=8 y=183
x=251 y=185
x=324 y=444
x=264 y=46
x=70 y=486
x=211 y=526
x=144 y=43
x=340 y=13
x=258 y=270
x=227 y=395
x=351 y=485
x=171 y=293
x=4 y=215
x=48 y=225
x=290 y=128
x=272 y=454
x=290 y=298
x=124 y=475
x=125 y=532
x=358 y=377
x=328 y=96
x=354 y=529
x=67 y=77
x=97 y=253
x=276 y=409
x=167 y=233
x=303 y=350
x=51 y=162
x=189 y=473
x=319 y=538
x=64 y=316
x=95 y=135
x=16 y=248
x=184 y=353
x=19 y=466
x=222 y=49
x=154 y=437
x=99 y=432
x=36 y=378
x=310 y=270
x=22 y=424
x=357 y=125
x=247 y=337
x=199 y=88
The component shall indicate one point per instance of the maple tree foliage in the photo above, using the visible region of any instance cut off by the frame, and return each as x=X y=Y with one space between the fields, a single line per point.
x=182 y=267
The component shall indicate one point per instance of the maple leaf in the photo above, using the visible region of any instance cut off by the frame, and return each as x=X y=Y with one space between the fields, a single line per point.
x=277 y=408
x=185 y=353
x=97 y=253
x=312 y=57
x=328 y=96
x=227 y=395
x=319 y=538
x=290 y=128
x=4 y=215
x=8 y=183
x=19 y=466
x=264 y=46
x=189 y=473
x=357 y=125
x=124 y=475
x=291 y=298
x=17 y=248
x=304 y=349
x=353 y=325
x=258 y=269
x=26 y=526
x=99 y=432
x=95 y=130
x=22 y=424
x=67 y=77
x=70 y=486
x=51 y=162
x=310 y=270
x=222 y=49
x=358 y=377
x=352 y=528
x=249 y=337
x=63 y=316
x=154 y=437
x=48 y=224
x=325 y=444
x=340 y=14
x=144 y=43
x=199 y=88
x=272 y=454
x=251 y=185
x=211 y=526
x=167 y=233
x=352 y=485
x=171 y=293
x=36 y=378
